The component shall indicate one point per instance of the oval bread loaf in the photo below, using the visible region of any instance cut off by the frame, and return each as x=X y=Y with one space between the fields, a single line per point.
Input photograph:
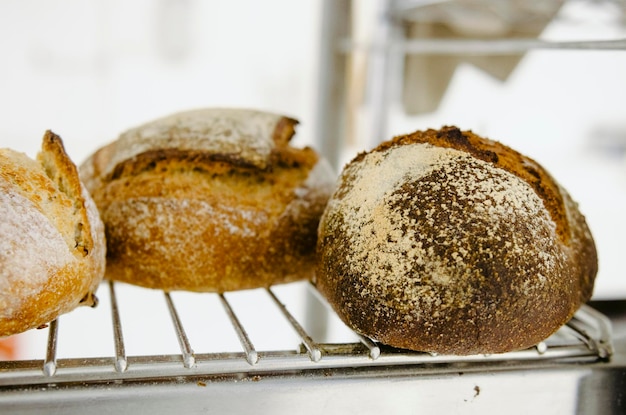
x=446 y=242
x=52 y=250
x=209 y=200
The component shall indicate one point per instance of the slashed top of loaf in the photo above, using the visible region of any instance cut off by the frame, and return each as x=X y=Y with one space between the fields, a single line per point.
x=26 y=177
x=501 y=157
x=244 y=135
x=371 y=201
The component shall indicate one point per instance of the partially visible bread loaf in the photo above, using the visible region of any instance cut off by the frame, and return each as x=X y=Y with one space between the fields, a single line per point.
x=443 y=241
x=209 y=200
x=52 y=249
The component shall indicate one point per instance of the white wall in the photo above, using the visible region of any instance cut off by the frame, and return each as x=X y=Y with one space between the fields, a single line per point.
x=89 y=69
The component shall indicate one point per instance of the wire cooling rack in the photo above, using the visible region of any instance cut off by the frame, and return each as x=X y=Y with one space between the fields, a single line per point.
x=586 y=338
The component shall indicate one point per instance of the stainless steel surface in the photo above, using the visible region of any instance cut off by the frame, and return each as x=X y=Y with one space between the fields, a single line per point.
x=543 y=391
x=479 y=46
x=50 y=362
x=331 y=100
x=121 y=362
x=584 y=352
x=185 y=348
x=251 y=355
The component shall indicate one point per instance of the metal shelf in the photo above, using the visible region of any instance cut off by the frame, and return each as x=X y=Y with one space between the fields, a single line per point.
x=585 y=339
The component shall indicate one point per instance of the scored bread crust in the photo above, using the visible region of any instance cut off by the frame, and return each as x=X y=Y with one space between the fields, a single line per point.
x=52 y=251
x=209 y=200
x=446 y=242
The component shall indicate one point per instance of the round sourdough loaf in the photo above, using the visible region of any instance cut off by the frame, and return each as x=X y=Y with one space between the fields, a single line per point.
x=52 y=250
x=209 y=200
x=446 y=242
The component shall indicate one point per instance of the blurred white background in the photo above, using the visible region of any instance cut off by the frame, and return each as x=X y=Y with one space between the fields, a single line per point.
x=89 y=69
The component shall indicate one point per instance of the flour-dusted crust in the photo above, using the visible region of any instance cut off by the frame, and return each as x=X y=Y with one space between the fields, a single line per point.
x=52 y=250
x=442 y=241
x=209 y=200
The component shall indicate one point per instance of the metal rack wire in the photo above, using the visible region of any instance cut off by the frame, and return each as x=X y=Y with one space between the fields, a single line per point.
x=586 y=338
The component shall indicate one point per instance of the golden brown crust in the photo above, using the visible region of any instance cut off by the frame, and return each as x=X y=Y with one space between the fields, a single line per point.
x=445 y=242
x=53 y=248
x=64 y=174
x=199 y=219
x=499 y=155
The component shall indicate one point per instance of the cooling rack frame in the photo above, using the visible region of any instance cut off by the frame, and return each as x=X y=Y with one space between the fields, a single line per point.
x=585 y=339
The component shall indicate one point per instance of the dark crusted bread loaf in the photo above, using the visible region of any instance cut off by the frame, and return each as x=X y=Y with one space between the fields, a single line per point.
x=52 y=248
x=446 y=242
x=209 y=200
